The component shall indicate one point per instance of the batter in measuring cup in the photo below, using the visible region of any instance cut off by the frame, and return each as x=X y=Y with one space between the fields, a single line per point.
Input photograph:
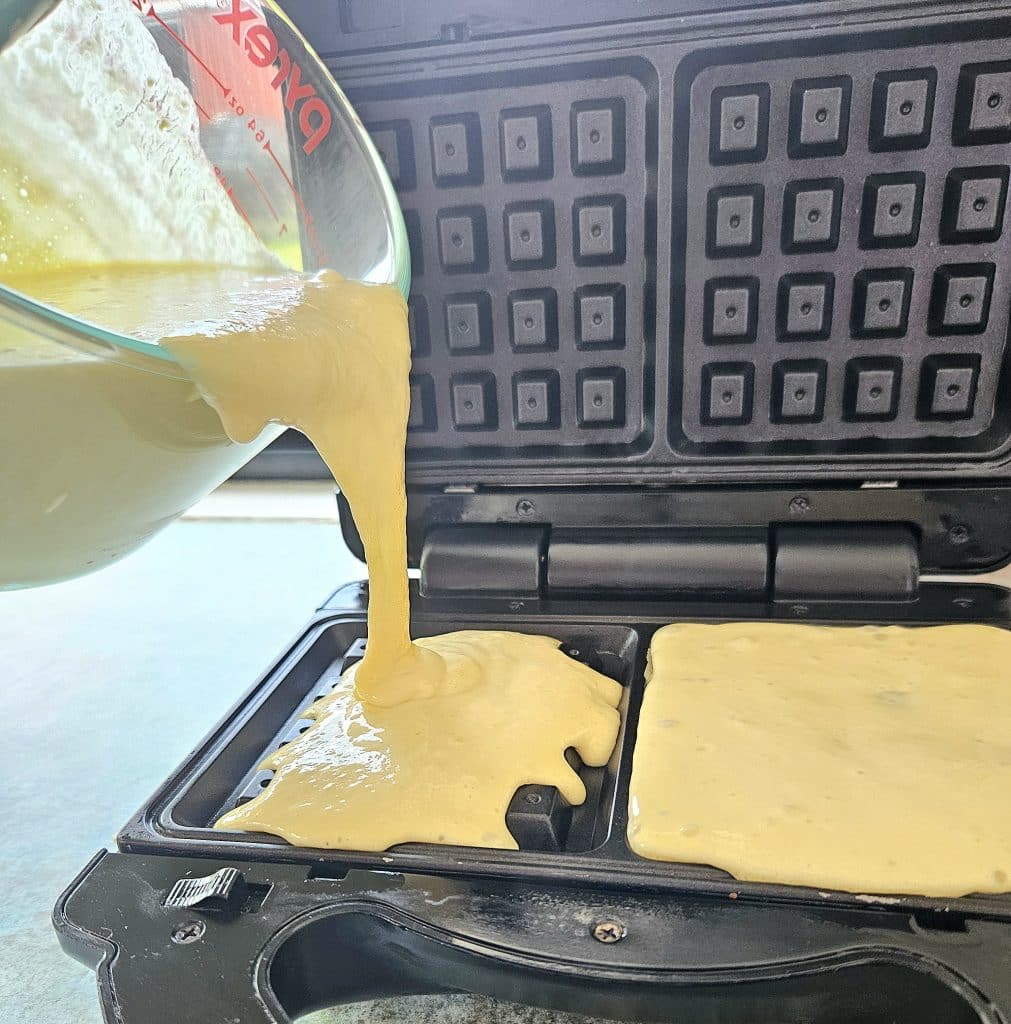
x=423 y=741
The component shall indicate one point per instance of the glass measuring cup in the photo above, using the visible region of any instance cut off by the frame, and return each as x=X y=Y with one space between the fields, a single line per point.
x=82 y=489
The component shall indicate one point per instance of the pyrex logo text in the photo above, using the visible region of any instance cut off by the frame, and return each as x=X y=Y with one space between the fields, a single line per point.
x=261 y=48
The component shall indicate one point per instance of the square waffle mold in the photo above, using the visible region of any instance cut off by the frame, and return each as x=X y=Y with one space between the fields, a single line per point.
x=526 y=205
x=539 y=818
x=846 y=262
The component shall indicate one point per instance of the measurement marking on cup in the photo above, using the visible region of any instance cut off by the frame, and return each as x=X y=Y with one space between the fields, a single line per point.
x=238 y=206
x=298 y=199
x=230 y=192
x=266 y=198
x=297 y=92
x=152 y=13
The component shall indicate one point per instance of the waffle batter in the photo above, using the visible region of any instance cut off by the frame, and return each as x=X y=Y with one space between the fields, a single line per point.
x=870 y=759
x=425 y=741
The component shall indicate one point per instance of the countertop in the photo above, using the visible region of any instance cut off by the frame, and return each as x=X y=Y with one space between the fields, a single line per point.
x=107 y=682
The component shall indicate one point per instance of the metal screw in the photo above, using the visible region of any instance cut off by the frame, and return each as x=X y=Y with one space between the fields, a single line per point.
x=533 y=798
x=963 y=602
x=608 y=931
x=187 y=932
x=799 y=504
x=525 y=507
x=958 y=534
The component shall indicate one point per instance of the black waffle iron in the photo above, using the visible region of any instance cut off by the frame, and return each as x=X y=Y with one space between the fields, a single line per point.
x=710 y=315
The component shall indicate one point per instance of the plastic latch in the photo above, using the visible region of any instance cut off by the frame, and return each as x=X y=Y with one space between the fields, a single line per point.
x=538 y=818
x=224 y=890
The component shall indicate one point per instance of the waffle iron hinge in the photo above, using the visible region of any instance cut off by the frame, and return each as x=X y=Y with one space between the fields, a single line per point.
x=825 y=561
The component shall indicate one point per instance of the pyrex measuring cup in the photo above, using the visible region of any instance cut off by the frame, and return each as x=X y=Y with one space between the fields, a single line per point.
x=84 y=477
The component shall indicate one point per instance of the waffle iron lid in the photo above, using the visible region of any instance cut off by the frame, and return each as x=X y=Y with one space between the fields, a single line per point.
x=796 y=280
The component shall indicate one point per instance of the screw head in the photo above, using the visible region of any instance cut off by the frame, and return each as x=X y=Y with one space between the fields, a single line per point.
x=799 y=505
x=963 y=602
x=533 y=798
x=187 y=932
x=609 y=931
x=958 y=534
x=525 y=507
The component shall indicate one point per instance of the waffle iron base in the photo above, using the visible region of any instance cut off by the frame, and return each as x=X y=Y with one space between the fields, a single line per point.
x=586 y=927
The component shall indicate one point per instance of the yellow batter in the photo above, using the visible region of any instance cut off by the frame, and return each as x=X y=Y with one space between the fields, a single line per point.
x=871 y=759
x=426 y=741
x=332 y=360
x=440 y=769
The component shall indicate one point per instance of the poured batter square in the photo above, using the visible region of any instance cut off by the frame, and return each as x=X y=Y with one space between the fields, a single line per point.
x=873 y=759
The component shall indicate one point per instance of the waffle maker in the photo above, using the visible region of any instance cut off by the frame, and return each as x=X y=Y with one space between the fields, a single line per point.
x=709 y=321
